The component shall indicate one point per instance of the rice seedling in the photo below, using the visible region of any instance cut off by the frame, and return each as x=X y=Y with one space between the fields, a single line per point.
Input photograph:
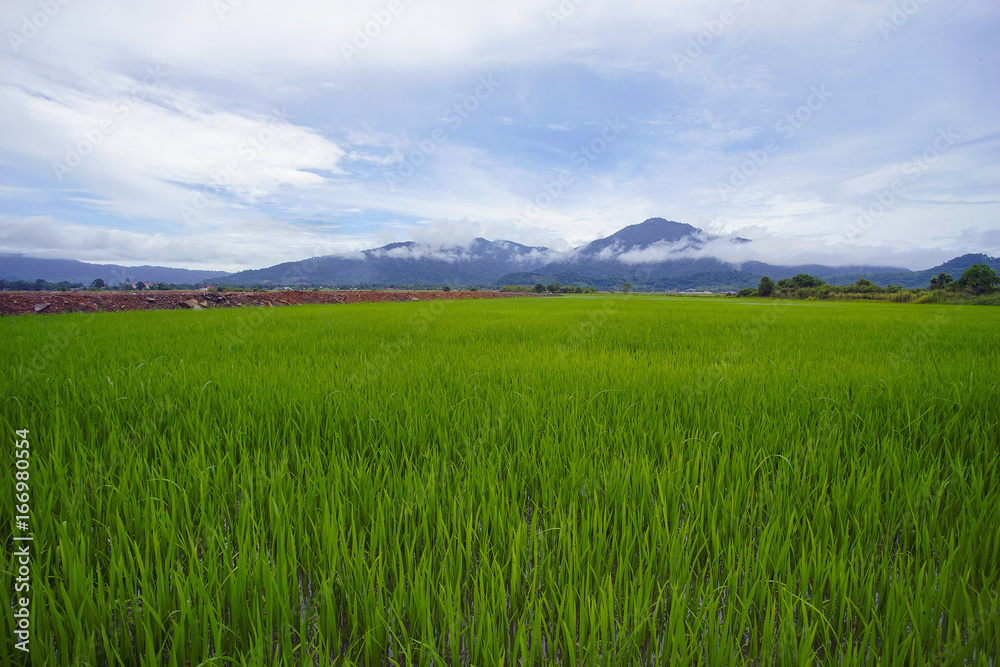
x=575 y=481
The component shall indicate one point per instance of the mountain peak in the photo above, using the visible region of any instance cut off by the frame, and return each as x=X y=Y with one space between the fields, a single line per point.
x=644 y=234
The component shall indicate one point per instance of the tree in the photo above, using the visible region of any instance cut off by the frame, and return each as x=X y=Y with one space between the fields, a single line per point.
x=979 y=278
x=748 y=291
x=553 y=287
x=539 y=288
x=446 y=289
x=766 y=287
x=863 y=285
x=805 y=280
x=941 y=280
x=97 y=284
x=626 y=287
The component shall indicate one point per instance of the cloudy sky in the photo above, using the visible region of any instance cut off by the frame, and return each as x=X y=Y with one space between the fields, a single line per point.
x=232 y=134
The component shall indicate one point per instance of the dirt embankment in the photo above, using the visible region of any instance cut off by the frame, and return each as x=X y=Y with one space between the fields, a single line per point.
x=19 y=303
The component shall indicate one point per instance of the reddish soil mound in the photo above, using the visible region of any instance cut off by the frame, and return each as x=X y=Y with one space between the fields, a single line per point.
x=19 y=303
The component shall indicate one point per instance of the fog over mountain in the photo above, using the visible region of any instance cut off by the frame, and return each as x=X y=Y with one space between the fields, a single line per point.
x=656 y=254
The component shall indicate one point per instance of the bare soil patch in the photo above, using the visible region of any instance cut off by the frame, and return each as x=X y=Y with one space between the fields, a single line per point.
x=44 y=303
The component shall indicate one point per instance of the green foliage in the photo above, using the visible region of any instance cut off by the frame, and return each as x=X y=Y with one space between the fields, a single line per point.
x=863 y=285
x=992 y=299
x=747 y=291
x=445 y=289
x=519 y=288
x=607 y=481
x=539 y=288
x=941 y=280
x=626 y=287
x=98 y=284
x=806 y=280
x=765 y=287
x=979 y=279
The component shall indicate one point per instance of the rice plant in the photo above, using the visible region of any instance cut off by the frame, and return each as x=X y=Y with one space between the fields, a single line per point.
x=581 y=481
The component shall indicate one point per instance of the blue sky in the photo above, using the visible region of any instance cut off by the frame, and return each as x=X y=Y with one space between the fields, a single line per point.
x=233 y=134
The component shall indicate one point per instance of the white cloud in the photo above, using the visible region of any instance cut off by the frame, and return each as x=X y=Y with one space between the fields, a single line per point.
x=445 y=233
x=215 y=249
x=415 y=252
x=350 y=121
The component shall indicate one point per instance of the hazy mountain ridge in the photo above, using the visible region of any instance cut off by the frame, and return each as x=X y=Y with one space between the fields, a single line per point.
x=20 y=267
x=656 y=254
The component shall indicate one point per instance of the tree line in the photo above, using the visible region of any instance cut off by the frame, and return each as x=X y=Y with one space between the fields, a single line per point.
x=977 y=280
x=552 y=288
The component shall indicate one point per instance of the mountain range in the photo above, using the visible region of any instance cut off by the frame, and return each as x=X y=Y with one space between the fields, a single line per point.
x=656 y=255
x=21 y=267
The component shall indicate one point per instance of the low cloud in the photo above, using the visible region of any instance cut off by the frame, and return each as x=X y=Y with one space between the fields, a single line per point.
x=446 y=233
x=778 y=250
x=538 y=257
x=421 y=251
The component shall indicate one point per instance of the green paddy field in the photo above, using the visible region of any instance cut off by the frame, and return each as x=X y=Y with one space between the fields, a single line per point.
x=599 y=480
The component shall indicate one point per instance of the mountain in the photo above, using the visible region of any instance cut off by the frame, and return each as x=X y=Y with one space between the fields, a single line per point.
x=643 y=235
x=650 y=255
x=407 y=263
x=656 y=254
x=953 y=267
x=653 y=255
x=19 y=267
